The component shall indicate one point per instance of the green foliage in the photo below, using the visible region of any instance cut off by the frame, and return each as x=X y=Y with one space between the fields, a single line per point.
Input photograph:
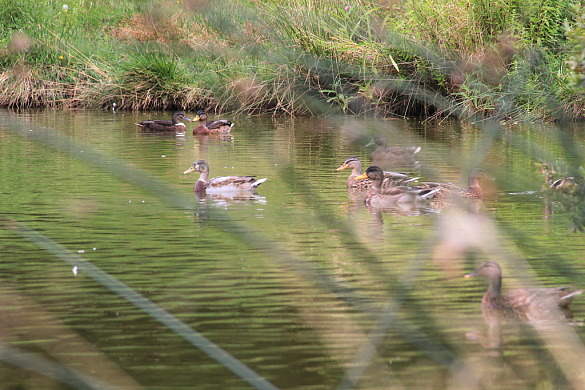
x=541 y=22
x=576 y=37
x=151 y=79
x=273 y=56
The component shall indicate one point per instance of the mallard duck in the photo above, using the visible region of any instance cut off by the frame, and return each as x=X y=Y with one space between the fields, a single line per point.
x=385 y=155
x=221 y=183
x=558 y=182
x=390 y=178
x=528 y=304
x=548 y=172
x=166 y=125
x=378 y=197
x=219 y=126
x=474 y=189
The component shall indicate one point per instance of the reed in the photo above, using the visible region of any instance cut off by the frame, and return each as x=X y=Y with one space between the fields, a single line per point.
x=472 y=59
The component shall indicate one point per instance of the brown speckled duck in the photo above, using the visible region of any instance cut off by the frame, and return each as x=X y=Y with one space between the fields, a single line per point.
x=526 y=304
x=165 y=125
x=219 y=126
x=557 y=182
x=473 y=191
x=379 y=197
x=390 y=156
x=390 y=178
x=221 y=183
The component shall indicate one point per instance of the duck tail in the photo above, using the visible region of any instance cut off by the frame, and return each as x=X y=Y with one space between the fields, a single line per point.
x=258 y=182
x=571 y=295
x=429 y=194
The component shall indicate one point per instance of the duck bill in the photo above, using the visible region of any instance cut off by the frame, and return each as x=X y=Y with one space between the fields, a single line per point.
x=196 y=119
x=191 y=169
x=187 y=119
x=341 y=168
x=371 y=143
x=471 y=275
x=361 y=177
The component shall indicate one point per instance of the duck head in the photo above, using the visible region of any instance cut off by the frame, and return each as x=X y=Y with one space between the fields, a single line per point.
x=201 y=116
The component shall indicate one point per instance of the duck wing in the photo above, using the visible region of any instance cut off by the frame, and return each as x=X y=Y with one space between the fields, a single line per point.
x=218 y=123
x=543 y=299
x=234 y=182
x=158 y=122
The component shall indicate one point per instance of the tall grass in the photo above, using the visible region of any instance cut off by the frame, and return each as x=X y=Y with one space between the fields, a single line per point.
x=296 y=58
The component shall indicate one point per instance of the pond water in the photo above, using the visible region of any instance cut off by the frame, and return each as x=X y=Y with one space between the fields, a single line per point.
x=114 y=275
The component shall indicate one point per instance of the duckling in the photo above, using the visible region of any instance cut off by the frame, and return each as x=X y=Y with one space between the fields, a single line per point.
x=221 y=183
x=165 y=125
x=390 y=178
x=527 y=304
x=378 y=197
x=219 y=126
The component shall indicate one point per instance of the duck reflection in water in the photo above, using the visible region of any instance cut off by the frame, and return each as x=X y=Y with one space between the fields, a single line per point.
x=225 y=199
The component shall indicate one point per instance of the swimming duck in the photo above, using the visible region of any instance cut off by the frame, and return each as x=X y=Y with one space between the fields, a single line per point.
x=219 y=126
x=556 y=181
x=385 y=155
x=166 y=125
x=221 y=183
x=390 y=178
x=474 y=189
x=379 y=197
x=527 y=304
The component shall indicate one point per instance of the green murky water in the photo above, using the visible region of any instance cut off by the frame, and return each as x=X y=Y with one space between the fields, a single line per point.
x=294 y=281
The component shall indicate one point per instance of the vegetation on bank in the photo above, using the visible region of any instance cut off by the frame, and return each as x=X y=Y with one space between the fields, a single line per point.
x=471 y=59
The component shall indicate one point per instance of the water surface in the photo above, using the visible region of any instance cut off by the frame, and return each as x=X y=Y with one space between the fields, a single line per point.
x=292 y=281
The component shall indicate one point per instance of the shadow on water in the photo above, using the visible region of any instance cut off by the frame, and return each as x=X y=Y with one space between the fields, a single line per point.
x=299 y=285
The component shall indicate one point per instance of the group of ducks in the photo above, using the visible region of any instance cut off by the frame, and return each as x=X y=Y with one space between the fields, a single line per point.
x=176 y=125
x=220 y=184
x=385 y=188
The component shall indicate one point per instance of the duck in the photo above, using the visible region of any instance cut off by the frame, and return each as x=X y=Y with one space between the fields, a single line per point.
x=548 y=172
x=525 y=304
x=379 y=197
x=556 y=182
x=386 y=156
x=166 y=125
x=221 y=183
x=474 y=188
x=390 y=178
x=219 y=126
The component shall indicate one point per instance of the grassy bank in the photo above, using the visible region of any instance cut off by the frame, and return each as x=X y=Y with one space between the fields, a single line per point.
x=472 y=59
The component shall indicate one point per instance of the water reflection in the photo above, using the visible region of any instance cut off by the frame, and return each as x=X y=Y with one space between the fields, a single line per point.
x=314 y=277
x=226 y=199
